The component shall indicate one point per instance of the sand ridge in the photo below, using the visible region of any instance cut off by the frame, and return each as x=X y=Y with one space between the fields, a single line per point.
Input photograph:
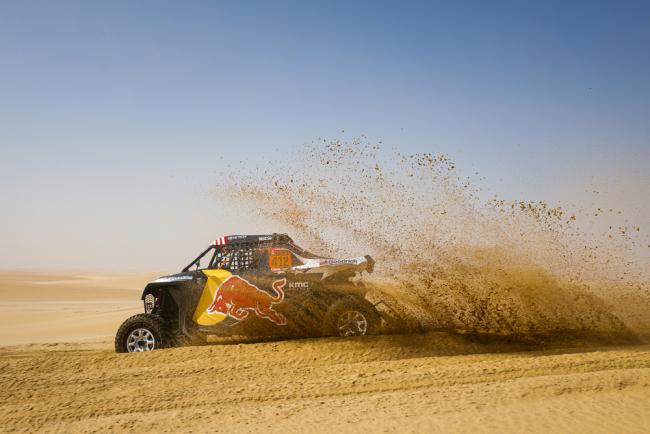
x=395 y=383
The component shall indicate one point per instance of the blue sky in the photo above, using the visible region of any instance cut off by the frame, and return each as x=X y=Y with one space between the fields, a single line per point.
x=110 y=111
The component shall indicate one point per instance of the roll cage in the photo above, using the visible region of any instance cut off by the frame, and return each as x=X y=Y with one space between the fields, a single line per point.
x=242 y=252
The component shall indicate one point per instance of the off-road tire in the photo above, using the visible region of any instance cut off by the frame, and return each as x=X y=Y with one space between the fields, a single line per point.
x=340 y=309
x=304 y=315
x=153 y=323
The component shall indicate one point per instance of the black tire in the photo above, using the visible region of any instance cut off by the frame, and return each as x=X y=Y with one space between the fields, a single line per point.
x=304 y=316
x=151 y=326
x=351 y=316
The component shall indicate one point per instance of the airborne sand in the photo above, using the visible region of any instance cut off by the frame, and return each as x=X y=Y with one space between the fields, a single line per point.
x=394 y=383
x=450 y=256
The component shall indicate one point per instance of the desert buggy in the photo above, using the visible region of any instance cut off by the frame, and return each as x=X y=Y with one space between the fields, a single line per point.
x=252 y=285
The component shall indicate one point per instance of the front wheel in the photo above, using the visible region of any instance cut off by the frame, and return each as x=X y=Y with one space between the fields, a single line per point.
x=142 y=332
x=351 y=317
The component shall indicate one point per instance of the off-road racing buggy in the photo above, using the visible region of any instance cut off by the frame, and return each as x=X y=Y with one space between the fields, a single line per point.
x=252 y=285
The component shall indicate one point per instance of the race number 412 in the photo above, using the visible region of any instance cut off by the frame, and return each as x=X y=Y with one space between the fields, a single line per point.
x=279 y=260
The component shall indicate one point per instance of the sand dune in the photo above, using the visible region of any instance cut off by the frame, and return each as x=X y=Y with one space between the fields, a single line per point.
x=74 y=382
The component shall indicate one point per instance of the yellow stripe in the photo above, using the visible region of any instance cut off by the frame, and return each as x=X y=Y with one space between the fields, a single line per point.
x=214 y=279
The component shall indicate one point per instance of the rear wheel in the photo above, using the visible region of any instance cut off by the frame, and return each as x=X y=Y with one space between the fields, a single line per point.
x=142 y=332
x=304 y=315
x=351 y=317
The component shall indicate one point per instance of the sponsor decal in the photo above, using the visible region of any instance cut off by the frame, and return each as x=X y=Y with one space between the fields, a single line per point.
x=299 y=285
x=236 y=298
x=340 y=262
x=214 y=279
x=266 y=238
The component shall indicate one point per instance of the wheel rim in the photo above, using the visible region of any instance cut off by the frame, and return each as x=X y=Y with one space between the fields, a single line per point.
x=352 y=323
x=140 y=340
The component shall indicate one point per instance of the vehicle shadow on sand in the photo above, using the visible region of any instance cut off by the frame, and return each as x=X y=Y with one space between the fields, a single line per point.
x=442 y=344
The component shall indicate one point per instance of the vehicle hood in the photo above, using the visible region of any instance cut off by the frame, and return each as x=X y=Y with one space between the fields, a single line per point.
x=173 y=278
x=188 y=277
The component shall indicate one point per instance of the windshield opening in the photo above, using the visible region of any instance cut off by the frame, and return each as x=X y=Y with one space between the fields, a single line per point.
x=202 y=258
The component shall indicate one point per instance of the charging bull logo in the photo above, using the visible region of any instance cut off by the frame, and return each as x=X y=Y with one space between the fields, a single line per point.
x=236 y=297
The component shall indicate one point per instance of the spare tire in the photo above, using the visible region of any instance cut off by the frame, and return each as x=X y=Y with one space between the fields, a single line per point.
x=139 y=333
x=351 y=316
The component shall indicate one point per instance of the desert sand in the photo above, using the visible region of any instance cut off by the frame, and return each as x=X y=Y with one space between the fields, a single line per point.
x=66 y=307
x=59 y=373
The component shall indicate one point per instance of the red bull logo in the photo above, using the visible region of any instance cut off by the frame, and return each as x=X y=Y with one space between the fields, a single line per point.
x=236 y=297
